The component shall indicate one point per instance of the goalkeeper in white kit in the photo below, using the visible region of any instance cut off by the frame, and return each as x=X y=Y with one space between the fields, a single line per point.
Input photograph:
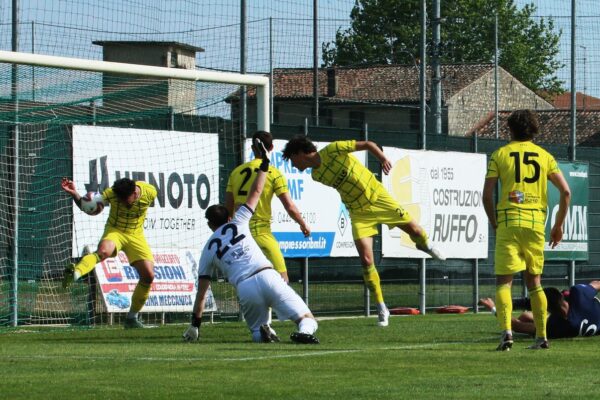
x=232 y=250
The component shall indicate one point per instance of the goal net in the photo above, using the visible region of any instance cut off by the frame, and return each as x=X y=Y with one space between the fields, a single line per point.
x=179 y=129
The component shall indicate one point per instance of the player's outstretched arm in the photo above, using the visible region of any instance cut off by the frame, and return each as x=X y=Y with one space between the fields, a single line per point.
x=556 y=233
x=376 y=151
x=259 y=183
x=293 y=212
x=229 y=203
x=69 y=186
x=192 y=333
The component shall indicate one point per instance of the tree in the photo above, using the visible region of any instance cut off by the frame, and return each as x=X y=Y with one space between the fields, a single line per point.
x=388 y=32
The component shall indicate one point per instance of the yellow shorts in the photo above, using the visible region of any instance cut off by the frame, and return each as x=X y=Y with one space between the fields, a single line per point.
x=519 y=249
x=133 y=245
x=270 y=248
x=385 y=210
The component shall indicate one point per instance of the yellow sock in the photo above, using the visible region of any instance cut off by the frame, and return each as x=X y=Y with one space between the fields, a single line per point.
x=87 y=263
x=539 y=305
x=504 y=306
x=422 y=240
x=139 y=297
x=371 y=278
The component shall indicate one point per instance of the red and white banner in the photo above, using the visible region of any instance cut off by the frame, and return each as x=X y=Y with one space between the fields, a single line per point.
x=173 y=290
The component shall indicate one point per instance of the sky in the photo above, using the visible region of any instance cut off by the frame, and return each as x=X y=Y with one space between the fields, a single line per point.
x=68 y=27
x=587 y=40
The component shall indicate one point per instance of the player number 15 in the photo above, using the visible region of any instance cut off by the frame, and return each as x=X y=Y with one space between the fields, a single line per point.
x=528 y=159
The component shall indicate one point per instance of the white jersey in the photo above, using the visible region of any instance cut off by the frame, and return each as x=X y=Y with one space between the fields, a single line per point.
x=232 y=249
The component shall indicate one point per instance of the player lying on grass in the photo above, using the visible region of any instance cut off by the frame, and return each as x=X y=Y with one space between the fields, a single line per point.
x=124 y=230
x=367 y=200
x=575 y=312
x=233 y=250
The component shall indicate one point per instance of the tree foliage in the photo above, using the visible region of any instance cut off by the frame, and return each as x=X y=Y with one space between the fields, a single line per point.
x=389 y=32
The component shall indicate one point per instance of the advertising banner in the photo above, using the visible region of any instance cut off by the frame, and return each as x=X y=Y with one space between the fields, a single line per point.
x=574 y=245
x=173 y=290
x=442 y=192
x=321 y=208
x=183 y=166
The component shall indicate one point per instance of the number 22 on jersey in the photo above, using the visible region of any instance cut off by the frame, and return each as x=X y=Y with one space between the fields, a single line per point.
x=223 y=248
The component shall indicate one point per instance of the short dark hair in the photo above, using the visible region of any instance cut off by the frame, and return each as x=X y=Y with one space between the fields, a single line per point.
x=265 y=137
x=523 y=125
x=123 y=188
x=217 y=215
x=555 y=299
x=297 y=144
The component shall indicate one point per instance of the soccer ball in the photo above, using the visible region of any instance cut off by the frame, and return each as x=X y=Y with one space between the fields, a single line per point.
x=92 y=203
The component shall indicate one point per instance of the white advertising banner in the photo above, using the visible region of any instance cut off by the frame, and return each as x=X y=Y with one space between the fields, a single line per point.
x=321 y=208
x=442 y=192
x=174 y=287
x=183 y=166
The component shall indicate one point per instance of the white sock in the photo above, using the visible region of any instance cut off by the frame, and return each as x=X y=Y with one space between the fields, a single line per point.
x=493 y=310
x=308 y=325
x=381 y=307
x=132 y=315
x=76 y=275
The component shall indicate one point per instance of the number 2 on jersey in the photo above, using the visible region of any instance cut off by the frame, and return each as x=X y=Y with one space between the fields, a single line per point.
x=234 y=239
x=528 y=159
x=248 y=174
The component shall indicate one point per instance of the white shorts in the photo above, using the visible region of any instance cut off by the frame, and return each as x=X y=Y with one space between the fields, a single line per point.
x=268 y=289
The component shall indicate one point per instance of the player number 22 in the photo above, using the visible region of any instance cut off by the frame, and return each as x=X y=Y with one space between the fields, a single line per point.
x=528 y=159
x=234 y=239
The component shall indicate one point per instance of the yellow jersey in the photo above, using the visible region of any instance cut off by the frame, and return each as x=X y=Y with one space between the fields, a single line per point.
x=239 y=183
x=129 y=219
x=342 y=171
x=522 y=169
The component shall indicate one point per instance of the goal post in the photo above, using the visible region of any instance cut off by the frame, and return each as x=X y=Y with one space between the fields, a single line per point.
x=261 y=82
x=56 y=112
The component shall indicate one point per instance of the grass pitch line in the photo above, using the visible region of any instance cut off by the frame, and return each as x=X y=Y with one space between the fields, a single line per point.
x=234 y=359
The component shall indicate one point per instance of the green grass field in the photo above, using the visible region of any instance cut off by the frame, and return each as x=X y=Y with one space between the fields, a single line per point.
x=431 y=356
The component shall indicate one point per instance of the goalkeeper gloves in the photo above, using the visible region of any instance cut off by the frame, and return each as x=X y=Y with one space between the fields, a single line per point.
x=192 y=333
x=262 y=152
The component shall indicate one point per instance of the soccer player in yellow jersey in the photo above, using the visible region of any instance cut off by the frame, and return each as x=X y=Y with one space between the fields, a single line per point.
x=239 y=182
x=523 y=169
x=129 y=201
x=367 y=200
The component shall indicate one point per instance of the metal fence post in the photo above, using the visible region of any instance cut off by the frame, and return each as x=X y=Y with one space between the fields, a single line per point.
x=305 y=260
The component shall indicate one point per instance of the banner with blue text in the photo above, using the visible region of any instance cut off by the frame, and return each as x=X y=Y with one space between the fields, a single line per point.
x=173 y=289
x=321 y=208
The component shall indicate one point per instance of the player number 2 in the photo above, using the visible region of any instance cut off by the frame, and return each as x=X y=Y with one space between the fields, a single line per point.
x=248 y=173
x=234 y=239
x=528 y=159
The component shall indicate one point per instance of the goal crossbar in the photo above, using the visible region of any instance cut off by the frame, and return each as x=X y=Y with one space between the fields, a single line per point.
x=261 y=82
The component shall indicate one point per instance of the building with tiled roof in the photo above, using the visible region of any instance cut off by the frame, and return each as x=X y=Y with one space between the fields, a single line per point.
x=582 y=101
x=555 y=127
x=387 y=97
